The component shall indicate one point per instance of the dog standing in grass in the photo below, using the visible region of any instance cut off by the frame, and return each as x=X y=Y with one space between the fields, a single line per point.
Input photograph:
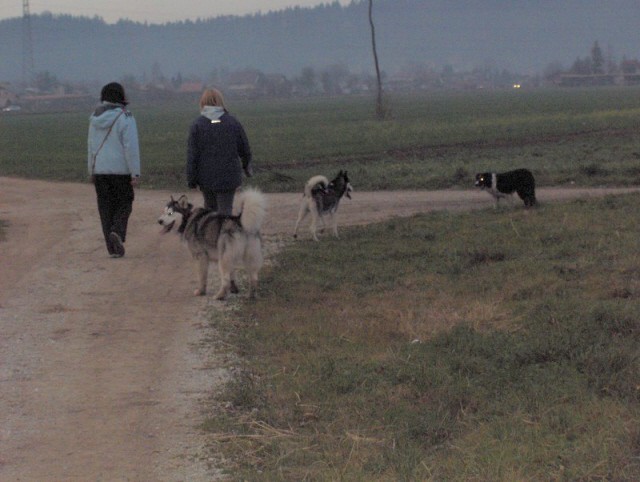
x=321 y=198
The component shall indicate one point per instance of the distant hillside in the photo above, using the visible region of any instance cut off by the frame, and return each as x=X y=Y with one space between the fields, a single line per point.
x=518 y=35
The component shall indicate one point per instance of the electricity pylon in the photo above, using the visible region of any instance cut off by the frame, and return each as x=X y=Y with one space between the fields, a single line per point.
x=27 y=45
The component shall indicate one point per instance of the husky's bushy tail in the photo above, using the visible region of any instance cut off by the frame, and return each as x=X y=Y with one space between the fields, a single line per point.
x=252 y=206
x=313 y=182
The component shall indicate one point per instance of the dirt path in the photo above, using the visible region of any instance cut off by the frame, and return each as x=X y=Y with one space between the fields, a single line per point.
x=102 y=369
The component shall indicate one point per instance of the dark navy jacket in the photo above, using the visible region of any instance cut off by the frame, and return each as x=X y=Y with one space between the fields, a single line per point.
x=217 y=152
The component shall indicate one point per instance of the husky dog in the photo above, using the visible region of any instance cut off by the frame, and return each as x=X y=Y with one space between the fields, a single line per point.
x=506 y=183
x=321 y=198
x=231 y=241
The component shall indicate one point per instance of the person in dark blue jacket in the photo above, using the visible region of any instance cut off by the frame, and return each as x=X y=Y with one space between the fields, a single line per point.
x=218 y=152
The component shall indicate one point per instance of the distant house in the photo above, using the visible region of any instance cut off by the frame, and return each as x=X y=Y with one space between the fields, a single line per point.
x=276 y=85
x=412 y=80
x=631 y=79
x=191 y=87
x=630 y=66
x=630 y=72
x=7 y=97
x=58 y=102
x=253 y=83
x=245 y=83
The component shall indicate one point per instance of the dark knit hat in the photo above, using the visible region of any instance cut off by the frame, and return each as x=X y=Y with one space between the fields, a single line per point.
x=114 y=93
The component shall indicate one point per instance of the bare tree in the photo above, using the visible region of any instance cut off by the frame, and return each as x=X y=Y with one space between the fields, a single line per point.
x=597 y=59
x=381 y=112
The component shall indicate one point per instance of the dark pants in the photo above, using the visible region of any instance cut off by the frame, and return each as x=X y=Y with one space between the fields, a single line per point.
x=219 y=201
x=115 y=201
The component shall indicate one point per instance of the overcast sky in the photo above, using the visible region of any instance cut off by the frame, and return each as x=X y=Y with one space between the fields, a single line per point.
x=153 y=11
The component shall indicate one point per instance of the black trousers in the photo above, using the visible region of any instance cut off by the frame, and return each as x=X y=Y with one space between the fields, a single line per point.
x=220 y=201
x=115 y=202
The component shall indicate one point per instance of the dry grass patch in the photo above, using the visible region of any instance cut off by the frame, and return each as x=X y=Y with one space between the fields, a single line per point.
x=574 y=440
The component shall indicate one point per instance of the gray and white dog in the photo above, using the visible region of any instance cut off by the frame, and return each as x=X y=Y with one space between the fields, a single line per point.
x=321 y=198
x=231 y=241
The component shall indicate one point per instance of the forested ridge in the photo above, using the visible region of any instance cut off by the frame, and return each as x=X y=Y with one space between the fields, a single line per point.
x=518 y=35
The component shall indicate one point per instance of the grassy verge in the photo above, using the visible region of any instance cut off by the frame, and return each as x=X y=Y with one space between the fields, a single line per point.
x=434 y=140
x=482 y=346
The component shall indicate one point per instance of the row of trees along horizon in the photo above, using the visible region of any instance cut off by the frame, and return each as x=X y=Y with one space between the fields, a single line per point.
x=338 y=79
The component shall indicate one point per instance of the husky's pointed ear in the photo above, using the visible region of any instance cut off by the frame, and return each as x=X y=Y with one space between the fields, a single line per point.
x=183 y=202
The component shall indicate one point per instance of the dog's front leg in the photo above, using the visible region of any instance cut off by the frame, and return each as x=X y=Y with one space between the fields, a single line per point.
x=203 y=272
x=314 y=225
x=253 y=286
x=334 y=224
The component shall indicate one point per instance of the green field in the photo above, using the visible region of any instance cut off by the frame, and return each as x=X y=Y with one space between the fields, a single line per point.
x=438 y=140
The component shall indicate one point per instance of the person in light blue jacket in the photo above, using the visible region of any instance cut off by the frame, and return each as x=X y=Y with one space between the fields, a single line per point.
x=114 y=164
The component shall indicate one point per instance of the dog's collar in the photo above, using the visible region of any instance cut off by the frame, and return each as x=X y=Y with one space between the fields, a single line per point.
x=183 y=224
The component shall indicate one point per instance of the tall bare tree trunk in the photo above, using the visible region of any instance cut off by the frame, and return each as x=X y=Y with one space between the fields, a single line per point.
x=380 y=110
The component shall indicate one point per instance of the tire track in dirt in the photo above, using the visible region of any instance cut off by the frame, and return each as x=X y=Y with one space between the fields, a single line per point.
x=103 y=369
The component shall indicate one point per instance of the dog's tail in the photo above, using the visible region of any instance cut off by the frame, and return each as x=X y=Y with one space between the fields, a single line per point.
x=252 y=205
x=313 y=182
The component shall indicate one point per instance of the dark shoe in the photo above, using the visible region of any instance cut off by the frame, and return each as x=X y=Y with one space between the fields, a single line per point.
x=117 y=248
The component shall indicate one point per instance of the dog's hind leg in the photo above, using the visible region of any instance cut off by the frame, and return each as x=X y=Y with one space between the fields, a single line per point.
x=302 y=213
x=234 y=286
x=226 y=271
x=253 y=261
x=202 y=262
x=314 y=224
x=324 y=223
x=253 y=284
x=528 y=197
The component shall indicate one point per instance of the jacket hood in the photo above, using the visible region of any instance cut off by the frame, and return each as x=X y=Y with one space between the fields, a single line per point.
x=105 y=114
x=212 y=112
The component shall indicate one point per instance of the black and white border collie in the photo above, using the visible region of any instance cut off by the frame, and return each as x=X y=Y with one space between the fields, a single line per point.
x=505 y=184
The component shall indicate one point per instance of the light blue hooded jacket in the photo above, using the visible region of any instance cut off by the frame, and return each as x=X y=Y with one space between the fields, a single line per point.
x=120 y=152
